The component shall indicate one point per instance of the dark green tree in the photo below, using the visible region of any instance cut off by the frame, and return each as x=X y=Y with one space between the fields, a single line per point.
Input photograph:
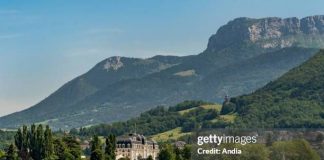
x=59 y=149
x=32 y=141
x=73 y=147
x=11 y=153
x=22 y=142
x=96 y=152
x=166 y=153
x=110 y=147
x=48 y=143
x=95 y=143
x=228 y=107
x=39 y=148
x=18 y=139
x=96 y=155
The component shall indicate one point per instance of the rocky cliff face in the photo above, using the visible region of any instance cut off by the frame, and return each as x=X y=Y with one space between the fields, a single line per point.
x=270 y=32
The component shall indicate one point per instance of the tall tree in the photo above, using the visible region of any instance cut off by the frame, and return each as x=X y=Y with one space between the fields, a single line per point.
x=166 y=153
x=22 y=142
x=96 y=155
x=110 y=147
x=32 y=141
x=48 y=143
x=95 y=143
x=39 y=143
x=59 y=149
x=96 y=152
x=72 y=146
x=18 y=139
x=11 y=153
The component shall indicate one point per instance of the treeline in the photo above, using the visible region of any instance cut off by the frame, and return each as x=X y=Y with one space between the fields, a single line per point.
x=38 y=143
x=158 y=120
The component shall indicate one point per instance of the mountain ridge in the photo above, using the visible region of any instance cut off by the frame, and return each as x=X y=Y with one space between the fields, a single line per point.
x=129 y=86
x=256 y=30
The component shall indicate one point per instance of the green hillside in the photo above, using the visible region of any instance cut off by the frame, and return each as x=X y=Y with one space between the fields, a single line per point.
x=295 y=100
x=173 y=134
x=165 y=123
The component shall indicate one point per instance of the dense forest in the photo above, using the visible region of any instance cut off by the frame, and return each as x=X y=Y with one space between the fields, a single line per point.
x=295 y=100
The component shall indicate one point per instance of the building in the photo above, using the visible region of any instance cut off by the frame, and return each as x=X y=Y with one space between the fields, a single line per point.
x=136 y=147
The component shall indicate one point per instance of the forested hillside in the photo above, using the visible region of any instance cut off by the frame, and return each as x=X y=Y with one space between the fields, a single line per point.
x=295 y=100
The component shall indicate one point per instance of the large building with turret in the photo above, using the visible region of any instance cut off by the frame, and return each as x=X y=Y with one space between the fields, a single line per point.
x=136 y=147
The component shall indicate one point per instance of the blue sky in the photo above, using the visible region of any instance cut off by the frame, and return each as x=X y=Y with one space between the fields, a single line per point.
x=44 y=44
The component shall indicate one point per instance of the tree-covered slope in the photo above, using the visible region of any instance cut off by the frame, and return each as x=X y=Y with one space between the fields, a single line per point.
x=294 y=100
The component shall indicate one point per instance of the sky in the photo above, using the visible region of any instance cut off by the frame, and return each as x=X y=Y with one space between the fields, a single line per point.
x=44 y=44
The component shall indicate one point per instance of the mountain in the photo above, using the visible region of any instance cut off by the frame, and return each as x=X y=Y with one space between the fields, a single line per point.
x=242 y=56
x=295 y=100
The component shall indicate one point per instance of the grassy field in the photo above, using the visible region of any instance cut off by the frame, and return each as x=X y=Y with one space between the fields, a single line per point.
x=173 y=134
x=226 y=118
x=186 y=111
x=217 y=107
